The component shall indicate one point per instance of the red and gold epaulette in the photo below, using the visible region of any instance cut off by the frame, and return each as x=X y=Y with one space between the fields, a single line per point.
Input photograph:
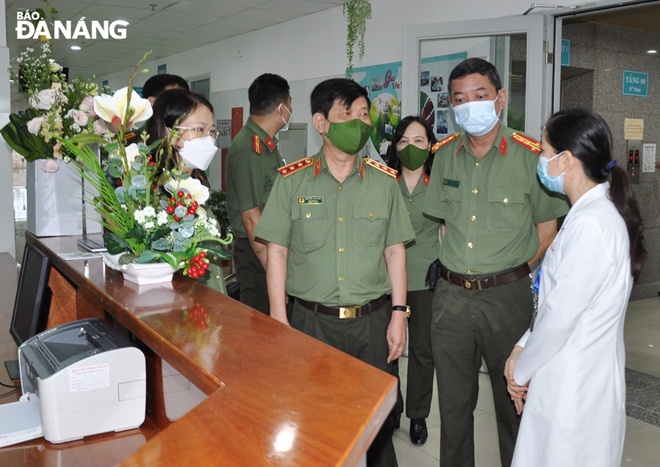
x=382 y=167
x=295 y=166
x=444 y=142
x=527 y=142
x=256 y=144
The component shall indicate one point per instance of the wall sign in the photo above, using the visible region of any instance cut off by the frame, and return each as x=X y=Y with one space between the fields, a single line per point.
x=635 y=83
x=565 y=52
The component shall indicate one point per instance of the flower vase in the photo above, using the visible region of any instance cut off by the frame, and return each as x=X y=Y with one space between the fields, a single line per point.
x=55 y=202
x=141 y=274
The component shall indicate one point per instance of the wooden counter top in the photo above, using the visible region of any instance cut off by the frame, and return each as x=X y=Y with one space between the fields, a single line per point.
x=276 y=396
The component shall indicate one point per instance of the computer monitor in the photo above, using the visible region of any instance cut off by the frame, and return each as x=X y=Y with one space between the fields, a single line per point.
x=33 y=295
x=32 y=302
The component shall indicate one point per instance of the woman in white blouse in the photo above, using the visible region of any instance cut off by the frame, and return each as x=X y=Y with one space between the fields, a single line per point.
x=566 y=374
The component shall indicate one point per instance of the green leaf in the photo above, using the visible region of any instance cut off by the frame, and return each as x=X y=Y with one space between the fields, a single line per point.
x=148 y=256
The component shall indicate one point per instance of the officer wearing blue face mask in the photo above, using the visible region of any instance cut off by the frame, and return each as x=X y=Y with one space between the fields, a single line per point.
x=498 y=223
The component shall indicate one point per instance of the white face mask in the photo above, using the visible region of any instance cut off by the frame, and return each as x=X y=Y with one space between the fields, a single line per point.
x=477 y=117
x=286 y=122
x=198 y=153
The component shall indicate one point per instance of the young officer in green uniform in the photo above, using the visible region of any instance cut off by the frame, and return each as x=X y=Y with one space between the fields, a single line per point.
x=410 y=155
x=251 y=168
x=498 y=221
x=337 y=226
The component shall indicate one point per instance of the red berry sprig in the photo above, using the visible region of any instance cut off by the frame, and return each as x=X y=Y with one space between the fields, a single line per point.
x=196 y=266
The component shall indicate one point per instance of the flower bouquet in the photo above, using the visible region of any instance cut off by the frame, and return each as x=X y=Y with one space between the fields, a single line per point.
x=153 y=215
x=56 y=109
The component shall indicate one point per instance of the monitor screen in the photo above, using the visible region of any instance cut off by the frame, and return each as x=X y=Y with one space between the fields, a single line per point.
x=33 y=294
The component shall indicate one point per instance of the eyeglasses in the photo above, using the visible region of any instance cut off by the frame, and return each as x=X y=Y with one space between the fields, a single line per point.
x=212 y=132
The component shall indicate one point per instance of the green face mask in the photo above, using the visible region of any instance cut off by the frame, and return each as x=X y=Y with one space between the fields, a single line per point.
x=350 y=136
x=412 y=157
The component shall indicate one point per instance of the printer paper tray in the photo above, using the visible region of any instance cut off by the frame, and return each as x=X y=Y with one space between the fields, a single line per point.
x=20 y=421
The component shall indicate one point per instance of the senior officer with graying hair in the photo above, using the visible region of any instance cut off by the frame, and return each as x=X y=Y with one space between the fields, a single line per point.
x=337 y=227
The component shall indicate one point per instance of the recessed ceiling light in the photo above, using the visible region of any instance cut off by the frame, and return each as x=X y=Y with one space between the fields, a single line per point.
x=75 y=47
x=651 y=51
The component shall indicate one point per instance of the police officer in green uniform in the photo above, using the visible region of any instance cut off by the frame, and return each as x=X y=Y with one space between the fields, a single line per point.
x=498 y=221
x=251 y=168
x=410 y=155
x=337 y=227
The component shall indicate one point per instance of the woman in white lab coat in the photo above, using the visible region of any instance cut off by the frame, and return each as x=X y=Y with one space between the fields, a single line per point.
x=566 y=374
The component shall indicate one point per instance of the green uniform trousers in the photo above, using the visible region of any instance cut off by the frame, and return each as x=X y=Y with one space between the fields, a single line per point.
x=251 y=275
x=468 y=325
x=364 y=338
x=419 y=388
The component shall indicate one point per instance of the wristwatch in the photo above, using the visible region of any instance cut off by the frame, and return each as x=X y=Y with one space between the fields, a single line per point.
x=404 y=308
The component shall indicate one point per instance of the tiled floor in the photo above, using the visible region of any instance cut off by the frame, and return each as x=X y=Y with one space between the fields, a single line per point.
x=642 y=445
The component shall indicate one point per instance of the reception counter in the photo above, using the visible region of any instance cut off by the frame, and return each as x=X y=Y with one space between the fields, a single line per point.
x=274 y=396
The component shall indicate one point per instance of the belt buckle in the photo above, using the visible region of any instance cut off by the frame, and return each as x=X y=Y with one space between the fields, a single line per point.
x=468 y=283
x=346 y=312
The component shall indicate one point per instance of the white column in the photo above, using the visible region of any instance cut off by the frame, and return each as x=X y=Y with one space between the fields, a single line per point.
x=7 y=240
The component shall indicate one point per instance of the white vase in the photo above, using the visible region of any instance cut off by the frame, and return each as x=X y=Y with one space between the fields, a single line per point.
x=55 y=202
x=150 y=273
x=141 y=274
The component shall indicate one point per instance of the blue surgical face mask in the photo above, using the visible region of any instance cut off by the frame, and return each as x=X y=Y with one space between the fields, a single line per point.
x=551 y=182
x=477 y=117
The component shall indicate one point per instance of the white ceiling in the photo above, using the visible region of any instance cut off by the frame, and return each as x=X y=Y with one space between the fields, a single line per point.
x=165 y=26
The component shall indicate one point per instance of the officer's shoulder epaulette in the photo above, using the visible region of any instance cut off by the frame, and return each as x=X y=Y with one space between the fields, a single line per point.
x=527 y=142
x=382 y=167
x=444 y=142
x=295 y=166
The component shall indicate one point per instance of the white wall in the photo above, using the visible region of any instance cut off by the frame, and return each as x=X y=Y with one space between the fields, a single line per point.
x=307 y=50
x=314 y=46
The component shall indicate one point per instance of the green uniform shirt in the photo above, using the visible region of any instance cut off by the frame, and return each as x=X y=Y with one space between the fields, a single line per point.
x=250 y=170
x=490 y=205
x=336 y=233
x=424 y=250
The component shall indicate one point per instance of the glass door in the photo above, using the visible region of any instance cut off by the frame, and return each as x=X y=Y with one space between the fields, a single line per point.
x=515 y=45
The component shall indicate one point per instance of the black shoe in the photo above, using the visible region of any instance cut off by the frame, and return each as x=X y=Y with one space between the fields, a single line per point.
x=418 y=431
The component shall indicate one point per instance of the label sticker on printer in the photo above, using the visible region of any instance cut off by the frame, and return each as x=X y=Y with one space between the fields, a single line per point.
x=91 y=377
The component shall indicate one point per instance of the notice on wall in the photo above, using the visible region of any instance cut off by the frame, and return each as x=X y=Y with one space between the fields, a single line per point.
x=648 y=157
x=223 y=127
x=633 y=128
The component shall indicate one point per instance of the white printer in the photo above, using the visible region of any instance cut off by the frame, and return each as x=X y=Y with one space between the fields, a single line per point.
x=78 y=379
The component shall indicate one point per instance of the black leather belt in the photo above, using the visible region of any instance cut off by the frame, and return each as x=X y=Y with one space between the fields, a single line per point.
x=354 y=311
x=484 y=282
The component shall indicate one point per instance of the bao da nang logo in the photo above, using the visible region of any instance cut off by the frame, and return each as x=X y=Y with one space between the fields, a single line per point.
x=30 y=25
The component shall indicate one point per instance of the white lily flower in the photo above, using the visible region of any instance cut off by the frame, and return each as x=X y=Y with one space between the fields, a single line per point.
x=194 y=187
x=112 y=109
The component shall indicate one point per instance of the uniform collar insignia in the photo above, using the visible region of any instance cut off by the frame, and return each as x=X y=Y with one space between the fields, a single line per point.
x=503 y=146
x=317 y=167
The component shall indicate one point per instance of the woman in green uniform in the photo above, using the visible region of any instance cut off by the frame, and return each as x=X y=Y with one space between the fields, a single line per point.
x=410 y=154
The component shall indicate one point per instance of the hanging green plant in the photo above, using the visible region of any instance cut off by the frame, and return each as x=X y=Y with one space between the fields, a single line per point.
x=356 y=12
